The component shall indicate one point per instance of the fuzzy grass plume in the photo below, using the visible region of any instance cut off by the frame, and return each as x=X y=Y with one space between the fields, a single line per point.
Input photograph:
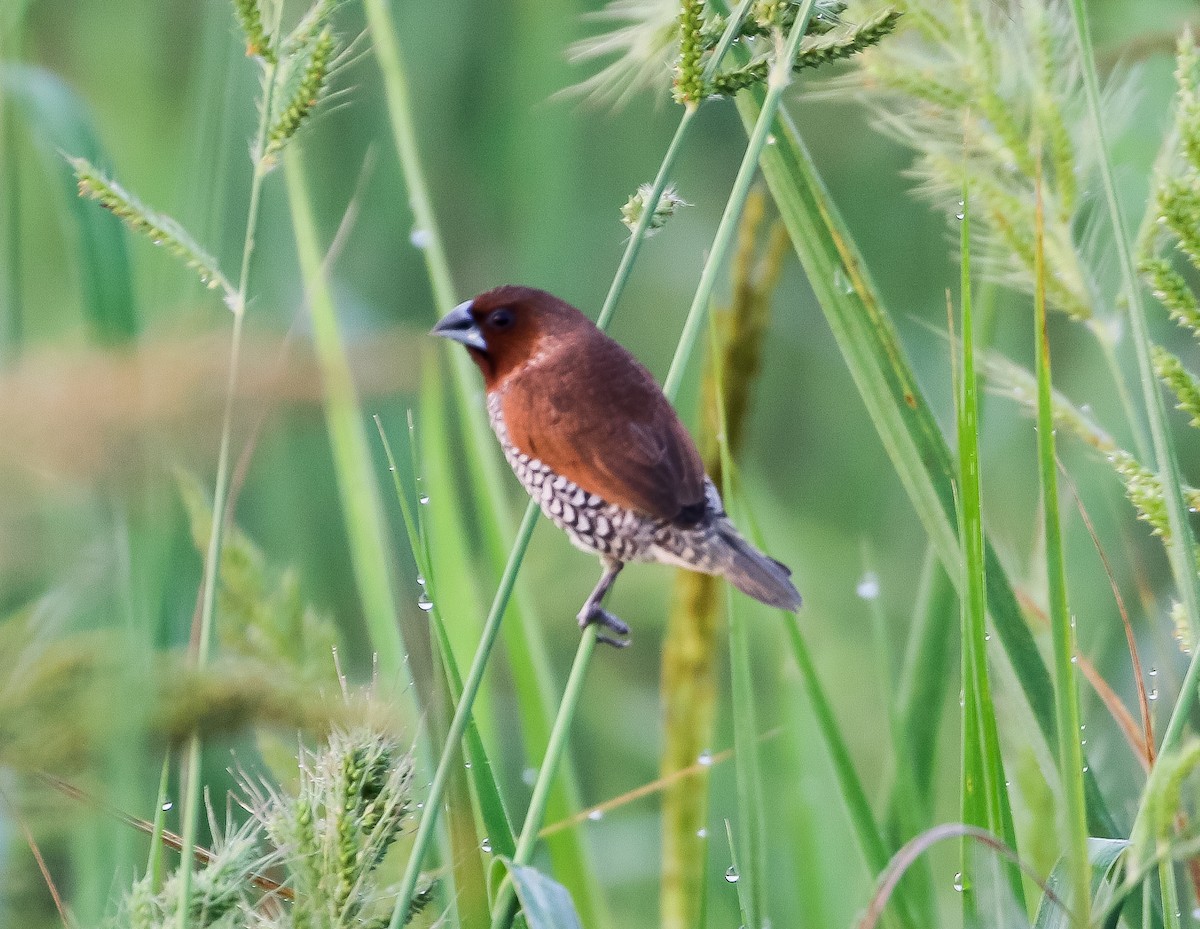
x=992 y=97
x=654 y=38
x=326 y=838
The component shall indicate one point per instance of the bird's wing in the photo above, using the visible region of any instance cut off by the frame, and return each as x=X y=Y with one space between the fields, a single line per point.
x=604 y=424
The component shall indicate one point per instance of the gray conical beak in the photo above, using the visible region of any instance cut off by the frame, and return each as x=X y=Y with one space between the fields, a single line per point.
x=460 y=326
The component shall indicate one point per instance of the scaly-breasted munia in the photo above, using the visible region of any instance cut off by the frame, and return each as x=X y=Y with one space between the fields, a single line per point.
x=591 y=436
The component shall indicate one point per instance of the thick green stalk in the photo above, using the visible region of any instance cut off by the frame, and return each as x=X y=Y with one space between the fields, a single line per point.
x=212 y=561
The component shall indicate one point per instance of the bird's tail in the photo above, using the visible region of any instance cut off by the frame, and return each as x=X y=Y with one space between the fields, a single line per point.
x=754 y=573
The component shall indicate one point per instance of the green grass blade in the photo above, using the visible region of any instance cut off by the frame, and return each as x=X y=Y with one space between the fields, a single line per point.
x=1104 y=864
x=544 y=903
x=985 y=796
x=1070 y=751
x=876 y=360
x=59 y=122
x=491 y=806
x=745 y=718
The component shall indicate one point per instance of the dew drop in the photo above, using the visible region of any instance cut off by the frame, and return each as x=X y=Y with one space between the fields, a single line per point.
x=1154 y=672
x=842 y=282
x=529 y=776
x=467 y=765
x=958 y=882
x=771 y=140
x=421 y=238
x=423 y=499
x=1153 y=695
x=732 y=875
x=960 y=216
x=486 y=846
x=424 y=603
x=596 y=815
x=705 y=758
x=169 y=805
x=702 y=833
x=868 y=586
x=420 y=578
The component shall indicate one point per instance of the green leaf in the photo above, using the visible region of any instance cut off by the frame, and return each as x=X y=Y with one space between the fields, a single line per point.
x=545 y=903
x=58 y=121
x=876 y=360
x=1105 y=860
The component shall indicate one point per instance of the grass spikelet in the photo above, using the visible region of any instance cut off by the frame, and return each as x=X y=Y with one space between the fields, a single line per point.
x=837 y=45
x=312 y=70
x=160 y=229
x=1173 y=292
x=1170 y=371
x=1144 y=490
x=689 y=72
x=249 y=17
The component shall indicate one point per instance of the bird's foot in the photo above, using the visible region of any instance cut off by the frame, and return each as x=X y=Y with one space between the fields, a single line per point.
x=597 y=616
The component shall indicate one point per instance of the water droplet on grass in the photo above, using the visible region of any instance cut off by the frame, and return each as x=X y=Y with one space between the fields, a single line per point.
x=596 y=815
x=424 y=603
x=705 y=758
x=421 y=238
x=486 y=846
x=732 y=875
x=959 y=883
x=868 y=586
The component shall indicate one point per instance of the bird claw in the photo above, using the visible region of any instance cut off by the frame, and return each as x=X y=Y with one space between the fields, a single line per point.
x=603 y=618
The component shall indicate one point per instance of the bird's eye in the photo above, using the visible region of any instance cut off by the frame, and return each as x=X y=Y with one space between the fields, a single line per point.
x=500 y=319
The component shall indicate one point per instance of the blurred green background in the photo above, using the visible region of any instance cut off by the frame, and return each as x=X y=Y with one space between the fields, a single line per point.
x=98 y=410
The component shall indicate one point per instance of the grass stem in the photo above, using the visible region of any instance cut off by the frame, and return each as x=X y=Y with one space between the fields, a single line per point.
x=212 y=561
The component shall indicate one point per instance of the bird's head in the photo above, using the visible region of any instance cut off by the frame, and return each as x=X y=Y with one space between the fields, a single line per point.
x=507 y=327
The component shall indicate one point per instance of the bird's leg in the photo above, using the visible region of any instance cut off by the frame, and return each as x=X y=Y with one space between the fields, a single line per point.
x=592 y=612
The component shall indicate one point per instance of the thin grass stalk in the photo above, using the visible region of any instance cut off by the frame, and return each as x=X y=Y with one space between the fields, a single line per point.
x=203 y=643
x=1181 y=544
x=779 y=80
x=492 y=810
x=396 y=88
x=1070 y=751
x=458 y=723
x=504 y=907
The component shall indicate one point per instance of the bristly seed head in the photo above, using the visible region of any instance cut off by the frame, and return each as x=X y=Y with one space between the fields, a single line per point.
x=312 y=65
x=668 y=203
x=258 y=43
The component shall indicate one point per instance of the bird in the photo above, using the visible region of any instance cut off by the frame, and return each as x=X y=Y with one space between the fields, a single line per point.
x=591 y=436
